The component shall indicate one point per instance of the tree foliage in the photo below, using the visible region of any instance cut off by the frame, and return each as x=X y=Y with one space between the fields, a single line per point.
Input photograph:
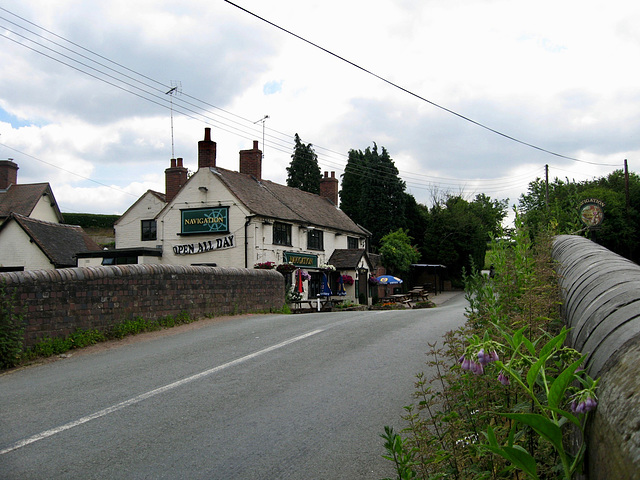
x=372 y=193
x=303 y=172
x=458 y=231
x=620 y=230
x=397 y=251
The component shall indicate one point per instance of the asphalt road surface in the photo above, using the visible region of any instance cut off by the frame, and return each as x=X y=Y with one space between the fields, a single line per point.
x=250 y=397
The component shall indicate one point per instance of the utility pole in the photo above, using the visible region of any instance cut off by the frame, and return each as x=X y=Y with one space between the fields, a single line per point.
x=546 y=185
x=626 y=184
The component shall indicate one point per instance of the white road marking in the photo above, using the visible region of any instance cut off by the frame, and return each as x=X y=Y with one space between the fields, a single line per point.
x=152 y=393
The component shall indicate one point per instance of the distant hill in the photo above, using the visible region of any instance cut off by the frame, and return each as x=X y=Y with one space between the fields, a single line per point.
x=98 y=227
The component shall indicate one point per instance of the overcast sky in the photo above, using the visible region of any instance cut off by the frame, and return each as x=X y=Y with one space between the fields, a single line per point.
x=83 y=101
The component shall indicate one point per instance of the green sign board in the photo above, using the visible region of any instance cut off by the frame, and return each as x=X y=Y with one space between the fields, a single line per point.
x=205 y=220
x=301 y=259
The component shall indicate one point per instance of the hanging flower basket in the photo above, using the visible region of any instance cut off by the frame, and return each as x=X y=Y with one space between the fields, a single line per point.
x=285 y=268
x=327 y=267
x=373 y=280
x=305 y=275
x=347 y=279
x=265 y=265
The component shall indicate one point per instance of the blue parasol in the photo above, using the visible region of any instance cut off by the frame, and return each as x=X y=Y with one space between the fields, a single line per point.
x=388 y=280
x=326 y=291
x=341 y=290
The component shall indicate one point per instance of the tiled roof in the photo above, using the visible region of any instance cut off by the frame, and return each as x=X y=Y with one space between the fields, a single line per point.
x=58 y=241
x=23 y=198
x=269 y=199
x=346 y=259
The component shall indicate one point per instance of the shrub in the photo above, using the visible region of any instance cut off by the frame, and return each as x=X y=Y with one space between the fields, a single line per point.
x=11 y=329
x=507 y=394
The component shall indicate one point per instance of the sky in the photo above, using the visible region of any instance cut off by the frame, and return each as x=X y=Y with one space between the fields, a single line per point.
x=467 y=96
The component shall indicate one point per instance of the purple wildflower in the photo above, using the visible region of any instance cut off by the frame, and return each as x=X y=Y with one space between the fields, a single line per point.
x=503 y=379
x=483 y=358
x=584 y=405
x=477 y=368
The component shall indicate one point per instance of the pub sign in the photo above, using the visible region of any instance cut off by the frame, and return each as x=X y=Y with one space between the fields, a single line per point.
x=205 y=220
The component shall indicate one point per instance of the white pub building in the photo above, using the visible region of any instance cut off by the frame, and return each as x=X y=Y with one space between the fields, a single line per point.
x=225 y=218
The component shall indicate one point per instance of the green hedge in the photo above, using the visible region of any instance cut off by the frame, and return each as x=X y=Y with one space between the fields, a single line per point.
x=90 y=220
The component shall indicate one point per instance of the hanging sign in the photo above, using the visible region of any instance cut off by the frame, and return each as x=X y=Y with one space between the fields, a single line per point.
x=221 y=243
x=592 y=212
x=301 y=259
x=205 y=220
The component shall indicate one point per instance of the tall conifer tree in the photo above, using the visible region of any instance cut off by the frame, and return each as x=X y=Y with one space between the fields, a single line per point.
x=303 y=172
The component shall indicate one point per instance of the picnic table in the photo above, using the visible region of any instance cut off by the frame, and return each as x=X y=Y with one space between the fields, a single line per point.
x=320 y=303
x=419 y=295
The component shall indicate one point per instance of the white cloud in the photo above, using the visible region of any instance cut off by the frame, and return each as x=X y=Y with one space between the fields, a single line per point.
x=560 y=76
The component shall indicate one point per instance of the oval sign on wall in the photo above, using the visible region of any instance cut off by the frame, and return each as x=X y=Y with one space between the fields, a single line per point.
x=592 y=212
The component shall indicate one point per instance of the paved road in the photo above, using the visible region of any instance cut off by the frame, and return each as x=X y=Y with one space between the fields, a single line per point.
x=254 y=397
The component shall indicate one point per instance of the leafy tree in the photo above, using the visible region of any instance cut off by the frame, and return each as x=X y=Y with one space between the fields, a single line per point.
x=372 y=192
x=397 y=251
x=303 y=171
x=620 y=230
x=458 y=232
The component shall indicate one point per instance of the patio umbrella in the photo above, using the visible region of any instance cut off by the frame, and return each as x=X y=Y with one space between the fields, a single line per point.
x=326 y=291
x=299 y=287
x=388 y=280
x=341 y=290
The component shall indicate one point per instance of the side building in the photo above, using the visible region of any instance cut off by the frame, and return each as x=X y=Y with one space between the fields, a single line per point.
x=227 y=218
x=32 y=235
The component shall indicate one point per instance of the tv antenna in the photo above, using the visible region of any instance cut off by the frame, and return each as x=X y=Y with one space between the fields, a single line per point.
x=263 y=119
x=176 y=89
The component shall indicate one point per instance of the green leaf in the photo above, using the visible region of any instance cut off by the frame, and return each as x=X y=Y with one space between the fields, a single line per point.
x=517 y=456
x=545 y=427
x=560 y=384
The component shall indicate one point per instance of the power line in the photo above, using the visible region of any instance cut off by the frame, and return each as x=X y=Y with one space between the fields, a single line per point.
x=157 y=95
x=379 y=77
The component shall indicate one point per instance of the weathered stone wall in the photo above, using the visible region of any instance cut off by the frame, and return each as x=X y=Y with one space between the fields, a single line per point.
x=58 y=302
x=602 y=307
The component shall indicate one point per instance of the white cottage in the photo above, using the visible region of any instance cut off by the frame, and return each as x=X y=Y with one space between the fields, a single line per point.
x=32 y=235
x=236 y=219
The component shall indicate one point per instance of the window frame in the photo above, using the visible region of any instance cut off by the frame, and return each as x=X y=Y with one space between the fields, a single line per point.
x=280 y=230
x=315 y=239
x=150 y=236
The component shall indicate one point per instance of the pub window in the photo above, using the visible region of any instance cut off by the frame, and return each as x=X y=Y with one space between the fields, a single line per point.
x=281 y=234
x=148 y=228
x=353 y=243
x=315 y=240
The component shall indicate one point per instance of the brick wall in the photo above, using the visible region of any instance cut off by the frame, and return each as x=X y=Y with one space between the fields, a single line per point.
x=58 y=302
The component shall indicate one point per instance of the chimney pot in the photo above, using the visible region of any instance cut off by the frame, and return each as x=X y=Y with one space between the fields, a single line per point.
x=206 y=151
x=251 y=161
x=329 y=187
x=8 y=174
x=175 y=177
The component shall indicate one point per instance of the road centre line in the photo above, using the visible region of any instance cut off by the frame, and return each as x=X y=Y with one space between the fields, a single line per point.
x=152 y=393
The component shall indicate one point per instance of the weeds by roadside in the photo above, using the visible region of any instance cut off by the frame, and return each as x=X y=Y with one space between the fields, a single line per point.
x=507 y=394
x=13 y=352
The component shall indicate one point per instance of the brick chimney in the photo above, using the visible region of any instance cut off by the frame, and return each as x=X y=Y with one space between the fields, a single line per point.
x=175 y=177
x=329 y=187
x=8 y=174
x=206 y=151
x=251 y=161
